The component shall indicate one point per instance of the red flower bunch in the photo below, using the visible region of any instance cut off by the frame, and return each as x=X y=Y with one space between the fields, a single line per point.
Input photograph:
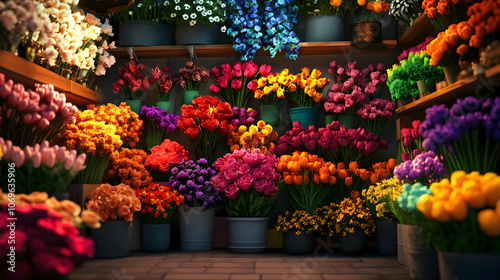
x=233 y=82
x=164 y=81
x=163 y=156
x=411 y=141
x=127 y=167
x=131 y=80
x=191 y=76
x=158 y=203
x=205 y=122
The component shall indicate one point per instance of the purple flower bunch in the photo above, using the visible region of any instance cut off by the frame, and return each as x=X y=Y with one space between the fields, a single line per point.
x=425 y=168
x=376 y=113
x=193 y=181
x=456 y=134
x=340 y=144
x=417 y=49
x=297 y=139
x=242 y=116
x=157 y=123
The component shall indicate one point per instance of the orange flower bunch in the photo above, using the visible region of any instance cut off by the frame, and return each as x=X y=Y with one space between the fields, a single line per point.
x=158 y=203
x=114 y=202
x=443 y=49
x=377 y=6
x=127 y=123
x=443 y=13
x=382 y=170
x=127 y=167
x=485 y=18
x=260 y=136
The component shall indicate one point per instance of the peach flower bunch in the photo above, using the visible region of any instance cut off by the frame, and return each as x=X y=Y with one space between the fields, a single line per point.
x=114 y=202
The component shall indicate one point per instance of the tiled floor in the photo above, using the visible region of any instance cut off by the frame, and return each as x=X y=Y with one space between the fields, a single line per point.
x=224 y=265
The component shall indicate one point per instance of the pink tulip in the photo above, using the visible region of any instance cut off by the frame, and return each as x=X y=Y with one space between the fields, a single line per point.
x=17 y=156
x=265 y=70
x=28 y=151
x=6 y=89
x=61 y=154
x=79 y=162
x=35 y=117
x=13 y=99
x=214 y=88
x=236 y=84
x=69 y=163
x=2 y=78
x=22 y=105
x=36 y=158
x=32 y=106
x=237 y=69
x=49 y=115
x=42 y=123
x=53 y=107
x=26 y=119
x=50 y=159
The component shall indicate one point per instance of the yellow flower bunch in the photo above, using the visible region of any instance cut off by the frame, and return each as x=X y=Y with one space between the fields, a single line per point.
x=346 y=217
x=260 y=136
x=378 y=196
x=299 y=221
x=91 y=137
x=127 y=123
x=302 y=90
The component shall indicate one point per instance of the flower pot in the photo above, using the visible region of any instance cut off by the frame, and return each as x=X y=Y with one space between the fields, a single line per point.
x=421 y=261
x=112 y=239
x=196 y=228
x=306 y=115
x=247 y=235
x=353 y=243
x=401 y=247
x=145 y=33
x=468 y=266
x=135 y=105
x=329 y=118
x=386 y=236
x=155 y=237
x=304 y=243
x=164 y=105
x=366 y=32
x=198 y=34
x=189 y=95
x=80 y=193
x=348 y=121
x=426 y=88
x=270 y=114
x=324 y=28
x=451 y=72
x=404 y=101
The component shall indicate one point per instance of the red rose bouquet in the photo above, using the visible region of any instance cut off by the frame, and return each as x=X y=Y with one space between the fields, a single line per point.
x=206 y=122
x=162 y=157
x=132 y=81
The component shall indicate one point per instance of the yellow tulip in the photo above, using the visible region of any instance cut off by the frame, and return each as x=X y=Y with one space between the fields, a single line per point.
x=473 y=195
x=280 y=93
x=489 y=222
x=457 y=209
x=292 y=87
x=491 y=190
x=424 y=205
x=457 y=177
x=438 y=211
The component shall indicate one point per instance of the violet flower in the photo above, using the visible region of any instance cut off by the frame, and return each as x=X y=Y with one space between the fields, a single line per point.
x=426 y=168
x=157 y=123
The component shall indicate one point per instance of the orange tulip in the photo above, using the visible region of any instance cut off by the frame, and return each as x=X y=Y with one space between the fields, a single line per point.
x=373 y=178
x=303 y=162
x=457 y=209
x=364 y=175
x=462 y=49
x=307 y=179
x=476 y=41
x=332 y=180
x=353 y=166
x=340 y=165
x=332 y=169
x=288 y=180
x=439 y=213
x=464 y=30
x=361 y=2
x=354 y=194
x=316 y=178
x=348 y=181
x=391 y=163
x=489 y=222
x=298 y=180
x=342 y=174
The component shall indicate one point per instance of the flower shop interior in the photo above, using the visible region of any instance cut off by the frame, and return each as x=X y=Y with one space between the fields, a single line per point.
x=250 y=139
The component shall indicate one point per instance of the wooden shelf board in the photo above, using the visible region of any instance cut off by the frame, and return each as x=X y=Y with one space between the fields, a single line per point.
x=28 y=73
x=416 y=33
x=462 y=88
x=226 y=50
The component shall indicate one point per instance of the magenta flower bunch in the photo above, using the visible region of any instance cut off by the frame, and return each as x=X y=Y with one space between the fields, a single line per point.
x=411 y=141
x=30 y=117
x=248 y=179
x=297 y=139
x=340 y=102
x=340 y=144
x=376 y=113
x=416 y=49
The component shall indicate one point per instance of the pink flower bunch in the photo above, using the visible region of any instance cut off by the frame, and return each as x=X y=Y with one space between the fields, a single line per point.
x=411 y=141
x=416 y=49
x=340 y=144
x=297 y=139
x=41 y=167
x=29 y=117
x=234 y=84
x=46 y=247
x=191 y=76
x=340 y=102
x=377 y=108
x=114 y=202
x=376 y=80
x=132 y=81
x=246 y=169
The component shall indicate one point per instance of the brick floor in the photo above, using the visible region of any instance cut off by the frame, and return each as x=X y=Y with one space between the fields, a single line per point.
x=221 y=264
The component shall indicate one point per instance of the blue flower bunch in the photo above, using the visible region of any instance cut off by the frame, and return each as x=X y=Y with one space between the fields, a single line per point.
x=193 y=181
x=268 y=24
x=407 y=199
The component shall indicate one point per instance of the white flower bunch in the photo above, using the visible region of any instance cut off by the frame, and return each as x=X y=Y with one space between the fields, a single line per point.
x=207 y=12
x=406 y=8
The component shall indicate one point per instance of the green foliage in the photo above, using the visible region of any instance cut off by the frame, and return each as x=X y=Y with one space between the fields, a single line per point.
x=399 y=83
x=250 y=203
x=418 y=68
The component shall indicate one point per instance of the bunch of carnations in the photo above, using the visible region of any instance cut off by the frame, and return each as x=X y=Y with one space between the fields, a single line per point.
x=381 y=197
x=370 y=80
x=164 y=81
x=30 y=117
x=426 y=168
x=132 y=81
x=467 y=136
x=298 y=221
x=127 y=123
x=297 y=139
x=157 y=203
x=308 y=180
x=127 y=167
x=41 y=167
x=191 y=76
x=416 y=49
x=114 y=202
x=162 y=157
x=260 y=136
x=376 y=113
x=193 y=181
x=346 y=217
x=206 y=122
x=248 y=179
x=340 y=144
x=97 y=140
x=411 y=141
x=443 y=13
x=158 y=123
x=242 y=116
x=462 y=214
x=47 y=246
x=233 y=83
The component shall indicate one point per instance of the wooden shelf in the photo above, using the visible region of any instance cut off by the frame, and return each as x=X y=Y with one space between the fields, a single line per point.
x=226 y=50
x=28 y=73
x=416 y=33
x=471 y=85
